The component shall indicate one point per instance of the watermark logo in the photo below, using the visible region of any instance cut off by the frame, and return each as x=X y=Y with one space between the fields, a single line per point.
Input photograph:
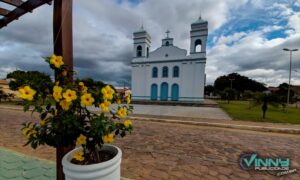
x=252 y=161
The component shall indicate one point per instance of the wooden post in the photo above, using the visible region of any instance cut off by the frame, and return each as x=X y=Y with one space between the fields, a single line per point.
x=62 y=30
x=63 y=45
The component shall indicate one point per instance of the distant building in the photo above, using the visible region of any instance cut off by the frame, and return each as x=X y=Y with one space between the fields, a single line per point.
x=296 y=90
x=5 y=87
x=169 y=73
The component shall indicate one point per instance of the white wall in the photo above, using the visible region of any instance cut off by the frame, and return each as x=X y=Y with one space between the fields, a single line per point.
x=190 y=80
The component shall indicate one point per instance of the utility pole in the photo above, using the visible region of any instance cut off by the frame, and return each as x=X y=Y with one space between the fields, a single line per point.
x=289 y=87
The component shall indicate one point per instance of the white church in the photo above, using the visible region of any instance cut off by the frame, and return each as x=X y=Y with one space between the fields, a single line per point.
x=169 y=73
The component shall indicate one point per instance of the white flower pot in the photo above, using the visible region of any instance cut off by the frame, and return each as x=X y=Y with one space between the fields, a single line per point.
x=108 y=170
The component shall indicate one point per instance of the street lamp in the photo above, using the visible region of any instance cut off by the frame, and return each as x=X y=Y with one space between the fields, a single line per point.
x=288 y=95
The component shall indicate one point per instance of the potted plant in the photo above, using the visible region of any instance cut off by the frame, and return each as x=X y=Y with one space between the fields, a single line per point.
x=67 y=121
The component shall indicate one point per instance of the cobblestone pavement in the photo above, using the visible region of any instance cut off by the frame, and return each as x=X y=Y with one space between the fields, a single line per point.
x=173 y=151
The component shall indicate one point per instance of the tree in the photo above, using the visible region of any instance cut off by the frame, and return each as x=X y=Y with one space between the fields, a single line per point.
x=239 y=82
x=90 y=83
x=37 y=80
x=283 y=91
x=209 y=89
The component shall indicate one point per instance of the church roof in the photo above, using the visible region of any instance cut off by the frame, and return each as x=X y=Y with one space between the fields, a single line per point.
x=199 y=21
x=167 y=53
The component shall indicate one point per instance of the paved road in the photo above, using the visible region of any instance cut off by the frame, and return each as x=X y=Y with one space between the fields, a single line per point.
x=172 y=151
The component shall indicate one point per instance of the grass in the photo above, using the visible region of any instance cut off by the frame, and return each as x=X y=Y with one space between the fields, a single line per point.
x=239 y=110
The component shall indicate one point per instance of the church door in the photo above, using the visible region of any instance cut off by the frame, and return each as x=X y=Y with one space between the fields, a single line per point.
x=153 y=92
x=164 y=91
x=175 y=92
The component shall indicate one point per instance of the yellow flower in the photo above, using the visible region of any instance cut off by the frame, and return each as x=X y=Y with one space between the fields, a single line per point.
x=122 y=112
x=70 y=95
x=81 y=84
x=82 y=87
x=25 y=131
x=81 y=140
x=26 y=93
x=127 y=123
x=118 y=101
x=29 y=132
x=128 y=100
x=105 y=106
x=57 y=61
x=65 y=73
x=87 y=99
x=42 y=122
x=107 y=92
x=78 y=155
x=57 y=93
x=65 y=105
x=109 y=138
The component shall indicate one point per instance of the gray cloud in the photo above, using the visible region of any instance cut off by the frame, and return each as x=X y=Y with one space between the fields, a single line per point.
x=102 y=39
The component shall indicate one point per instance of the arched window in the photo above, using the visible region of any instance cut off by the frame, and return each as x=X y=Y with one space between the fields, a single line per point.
x=165 y=71
x=139 y=51
x=167 y=43
x=198 y=45
x=175 y=71
x=154 y=72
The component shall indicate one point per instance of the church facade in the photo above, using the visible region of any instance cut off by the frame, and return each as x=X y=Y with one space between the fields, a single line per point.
x=169 y=73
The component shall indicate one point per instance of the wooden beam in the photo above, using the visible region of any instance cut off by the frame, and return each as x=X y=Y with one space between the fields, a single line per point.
x=12 y=2
x=62 y=30
x=63 y=45
x=26 y=6
x=3 y=12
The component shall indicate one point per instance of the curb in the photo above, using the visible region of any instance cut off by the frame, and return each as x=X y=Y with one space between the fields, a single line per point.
x=223 y=125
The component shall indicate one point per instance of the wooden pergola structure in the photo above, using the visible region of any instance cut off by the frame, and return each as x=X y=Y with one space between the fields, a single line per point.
x=62 y=38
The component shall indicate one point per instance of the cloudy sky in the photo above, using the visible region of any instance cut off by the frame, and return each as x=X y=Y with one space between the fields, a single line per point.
x=245 y=36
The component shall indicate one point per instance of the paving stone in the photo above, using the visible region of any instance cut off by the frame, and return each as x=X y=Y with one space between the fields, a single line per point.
x=12 y=166
x=243 y=175
x=213 y=173
x=9 y=174
x=31 y=165
x=10 y=159
x=32 y=173
x=223 y=177
x=225 y=171
x=50 y=172
x=159 y=174
x=18 y=178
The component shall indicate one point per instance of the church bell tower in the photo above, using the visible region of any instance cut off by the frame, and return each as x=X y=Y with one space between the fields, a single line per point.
x=199 y=32
x=141 y=43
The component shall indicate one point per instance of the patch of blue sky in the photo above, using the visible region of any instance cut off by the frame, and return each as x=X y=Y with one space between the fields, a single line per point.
x=276 y=34
x=249 y=18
